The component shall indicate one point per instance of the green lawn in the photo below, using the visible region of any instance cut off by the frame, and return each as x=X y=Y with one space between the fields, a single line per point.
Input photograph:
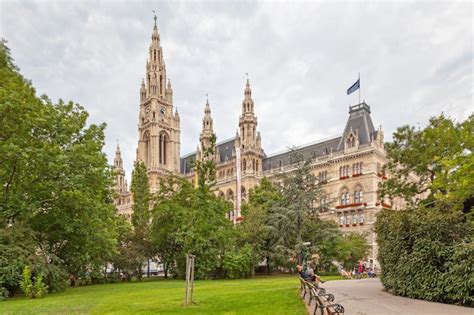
x=260 y=295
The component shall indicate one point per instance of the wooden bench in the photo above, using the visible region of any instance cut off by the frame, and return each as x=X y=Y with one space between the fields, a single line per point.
x=323 y=300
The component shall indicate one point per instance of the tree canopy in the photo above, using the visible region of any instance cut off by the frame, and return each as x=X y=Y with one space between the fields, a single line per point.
x=55 y=197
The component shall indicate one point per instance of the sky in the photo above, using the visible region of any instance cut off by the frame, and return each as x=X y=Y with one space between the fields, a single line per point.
x=415 y=61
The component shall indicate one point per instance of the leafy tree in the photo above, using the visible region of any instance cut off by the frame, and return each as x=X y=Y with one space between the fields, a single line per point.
x=424 y=251
x=254 y=230
x=351 y=248
x=325 y=238
x=437 y=160
x=188 y=220
x=55 y=178
x=139 y=246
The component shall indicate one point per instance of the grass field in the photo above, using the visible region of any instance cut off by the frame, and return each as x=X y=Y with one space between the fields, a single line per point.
x=260 y=295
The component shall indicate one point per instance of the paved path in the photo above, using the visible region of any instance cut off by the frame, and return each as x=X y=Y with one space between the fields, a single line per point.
x=366 y=297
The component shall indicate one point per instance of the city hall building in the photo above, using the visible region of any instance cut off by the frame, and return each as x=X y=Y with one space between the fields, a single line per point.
x=348 y=166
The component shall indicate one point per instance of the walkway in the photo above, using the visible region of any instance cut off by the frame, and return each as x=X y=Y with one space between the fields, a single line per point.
x=366 y=297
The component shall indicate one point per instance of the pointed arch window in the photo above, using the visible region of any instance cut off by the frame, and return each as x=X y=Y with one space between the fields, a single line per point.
x=345 y=196
x=163 y=148
x=147 y=155
x=358 y=194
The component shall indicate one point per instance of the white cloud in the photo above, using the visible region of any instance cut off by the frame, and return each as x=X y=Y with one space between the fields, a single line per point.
x=415 y=61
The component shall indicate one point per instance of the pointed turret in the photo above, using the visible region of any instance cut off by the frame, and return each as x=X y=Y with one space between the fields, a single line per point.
x=169 y=92
x=142 y=91
x=248 y=120
x=120 y=182
x=155 y=67
x=207 y=127
x=118 y=162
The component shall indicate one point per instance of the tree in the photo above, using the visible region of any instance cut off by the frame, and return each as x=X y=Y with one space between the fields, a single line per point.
x=351 y=248
x=437 y=161
x=140 y=243
x=424 y=250
x=300 y=192
x=188 y=220
x=325 y=238
x=254 y=230
x=56 y=182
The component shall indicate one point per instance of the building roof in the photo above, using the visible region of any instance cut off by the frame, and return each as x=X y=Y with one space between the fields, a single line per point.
x=224 y=148
x=309 y=151
x=360 y=121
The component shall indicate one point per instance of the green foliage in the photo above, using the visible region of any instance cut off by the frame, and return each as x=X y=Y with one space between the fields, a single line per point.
x=437 y=160
x=206 y=167
x=26 y=283
x=351 y=248
x=427 y=254
x=141 y=199
x=188 y=220
x=427 y=251
x=238 y=263
x=55 y=183
x=32 y=289
x=300 y=190
x=137 y=246
x=325 y=238
x=254 y=230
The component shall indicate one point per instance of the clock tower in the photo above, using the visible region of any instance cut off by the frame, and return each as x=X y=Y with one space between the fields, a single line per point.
x=158 y=125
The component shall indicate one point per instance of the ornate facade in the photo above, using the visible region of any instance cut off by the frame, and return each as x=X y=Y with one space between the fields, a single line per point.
x=348 y=166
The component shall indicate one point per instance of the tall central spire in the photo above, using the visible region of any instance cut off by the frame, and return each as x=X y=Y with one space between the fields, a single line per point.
x=155 y=67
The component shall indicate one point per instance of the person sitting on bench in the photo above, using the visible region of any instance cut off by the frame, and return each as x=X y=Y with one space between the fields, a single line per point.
x=308 y=276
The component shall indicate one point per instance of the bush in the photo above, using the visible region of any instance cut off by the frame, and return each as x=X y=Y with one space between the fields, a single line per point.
x=427 y=254
x=32 y=289
x=238 y=263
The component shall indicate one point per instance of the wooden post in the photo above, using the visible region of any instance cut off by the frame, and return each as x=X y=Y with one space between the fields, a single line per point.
x=187 y=283
x=192 y=278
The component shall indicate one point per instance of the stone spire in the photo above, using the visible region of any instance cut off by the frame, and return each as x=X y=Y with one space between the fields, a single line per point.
x=118 y=162
x=207 y=127
x=169 y=92
x=120 y=181
x=155 y=67
x=248 y=120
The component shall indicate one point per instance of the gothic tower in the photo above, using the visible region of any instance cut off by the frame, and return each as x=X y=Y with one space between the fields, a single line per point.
x=207 y=131
x=249 y=139
x=158 y=126
x=120 y=181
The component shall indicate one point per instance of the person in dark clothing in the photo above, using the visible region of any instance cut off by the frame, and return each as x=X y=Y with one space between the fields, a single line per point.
x=307 y=276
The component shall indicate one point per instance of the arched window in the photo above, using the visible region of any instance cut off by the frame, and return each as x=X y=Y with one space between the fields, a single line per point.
x=230 y=195
x=344 y=196
x=147 y=153
x=220 y=194
x=163 y=147
x=243 y=193
x=358 y=194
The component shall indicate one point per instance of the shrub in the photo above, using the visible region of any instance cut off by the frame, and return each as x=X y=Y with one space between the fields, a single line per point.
x=238 y=263
x=427 y=254
x=32 y=289
x=26 y=284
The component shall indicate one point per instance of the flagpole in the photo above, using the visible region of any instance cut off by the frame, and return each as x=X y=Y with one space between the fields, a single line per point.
x=359 y=87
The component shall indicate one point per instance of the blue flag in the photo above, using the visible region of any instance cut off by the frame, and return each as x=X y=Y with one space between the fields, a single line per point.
x=354 y=87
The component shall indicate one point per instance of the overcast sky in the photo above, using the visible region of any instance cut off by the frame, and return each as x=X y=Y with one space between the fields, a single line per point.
x=415 y=61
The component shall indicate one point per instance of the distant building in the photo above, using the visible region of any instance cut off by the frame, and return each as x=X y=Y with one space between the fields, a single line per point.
x=349 y=166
